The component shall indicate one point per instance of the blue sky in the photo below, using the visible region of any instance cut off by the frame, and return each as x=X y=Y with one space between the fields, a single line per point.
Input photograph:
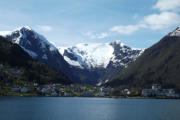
x=137 y=23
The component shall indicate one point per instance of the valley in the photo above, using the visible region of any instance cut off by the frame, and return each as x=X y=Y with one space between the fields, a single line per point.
x=123 y=70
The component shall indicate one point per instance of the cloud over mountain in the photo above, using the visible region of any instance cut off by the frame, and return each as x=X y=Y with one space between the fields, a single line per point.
x=166 y=17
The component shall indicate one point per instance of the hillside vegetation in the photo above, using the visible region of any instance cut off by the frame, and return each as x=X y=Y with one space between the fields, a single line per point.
x=17 y=67
x=158 y=64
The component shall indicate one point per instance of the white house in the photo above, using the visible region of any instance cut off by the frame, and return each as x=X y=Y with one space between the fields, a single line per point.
x=147 y=92
x=159 y=92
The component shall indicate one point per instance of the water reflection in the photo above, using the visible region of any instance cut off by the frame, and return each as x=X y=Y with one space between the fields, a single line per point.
x=49 y=108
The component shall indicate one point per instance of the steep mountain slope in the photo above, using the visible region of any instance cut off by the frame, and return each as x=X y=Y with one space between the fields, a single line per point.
x=158 y=64
x=17 y=66
x=99 y=61
x=36 y=46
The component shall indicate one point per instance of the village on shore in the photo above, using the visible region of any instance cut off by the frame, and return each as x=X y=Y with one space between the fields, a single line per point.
x=77 y=90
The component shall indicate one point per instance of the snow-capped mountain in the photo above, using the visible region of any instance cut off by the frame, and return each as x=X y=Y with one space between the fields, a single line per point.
x=176 y=32
x=103 y=60
x=83 y=63
x=26 y=37
x=99 y=55
x=88 y=55
x=36 y=46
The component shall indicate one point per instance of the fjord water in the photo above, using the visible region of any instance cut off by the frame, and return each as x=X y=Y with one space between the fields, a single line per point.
x=58 y=108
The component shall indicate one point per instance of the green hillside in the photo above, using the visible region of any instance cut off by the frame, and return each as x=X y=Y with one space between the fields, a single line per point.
x=158 y=64
x=17 y=67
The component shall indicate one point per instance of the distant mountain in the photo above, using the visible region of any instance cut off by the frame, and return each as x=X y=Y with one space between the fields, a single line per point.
x=99 y=61
x=158 y=64
x=83 y=63
x=16 y=66
x=99 y=55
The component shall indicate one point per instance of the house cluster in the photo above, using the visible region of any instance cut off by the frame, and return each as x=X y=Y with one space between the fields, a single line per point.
x=157 y=91
x=97 y=91
x=74 y=90
x=20 y=89
x=24 y=89
x=65 y=91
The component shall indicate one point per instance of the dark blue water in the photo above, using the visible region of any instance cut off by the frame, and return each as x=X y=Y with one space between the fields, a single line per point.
x=57 y=108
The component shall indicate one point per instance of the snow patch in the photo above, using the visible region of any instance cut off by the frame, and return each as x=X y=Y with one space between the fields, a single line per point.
x=62 y=49
x=4 y=33
x=23 y=28
x=176 y=32
x=119 y=42
x=90 y=55
x=72 y=62
x=22 y=34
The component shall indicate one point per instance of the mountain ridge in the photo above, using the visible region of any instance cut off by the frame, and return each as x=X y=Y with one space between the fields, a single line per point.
x=101 y=60
x=85 y=52
x=158 y=64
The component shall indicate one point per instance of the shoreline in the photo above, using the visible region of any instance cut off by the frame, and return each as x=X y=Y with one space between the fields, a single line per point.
x=115 y=97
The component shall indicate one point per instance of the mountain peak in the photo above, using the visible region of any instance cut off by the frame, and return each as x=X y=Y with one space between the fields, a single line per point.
x=25 y=27
x=118 y=42
x=26 y=37
x=19 y=29
x=22 y=29
x=176 y=32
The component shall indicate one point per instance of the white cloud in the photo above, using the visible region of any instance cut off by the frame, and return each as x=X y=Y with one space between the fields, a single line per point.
x=44 y=28
x=96 y=36
x=127 y=30
x=161 y=21
x=166 y=5
x=89 y=34
x=102 y=35
x=167 y=18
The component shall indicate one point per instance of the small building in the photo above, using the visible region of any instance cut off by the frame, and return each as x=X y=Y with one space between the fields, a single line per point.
x=24 y=90
x=83 y=88
x=36 y=84
x=104 y=89
x=89 y=93
x=156 y=87
x=159 y=92
x=45 y=90
x=54 y=94
x=101 y=94
x=15 y=89
x=172 y=93
x=67 y=94
x=148 y=92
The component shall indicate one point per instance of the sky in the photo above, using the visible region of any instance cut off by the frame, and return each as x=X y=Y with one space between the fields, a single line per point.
x=136 y=23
